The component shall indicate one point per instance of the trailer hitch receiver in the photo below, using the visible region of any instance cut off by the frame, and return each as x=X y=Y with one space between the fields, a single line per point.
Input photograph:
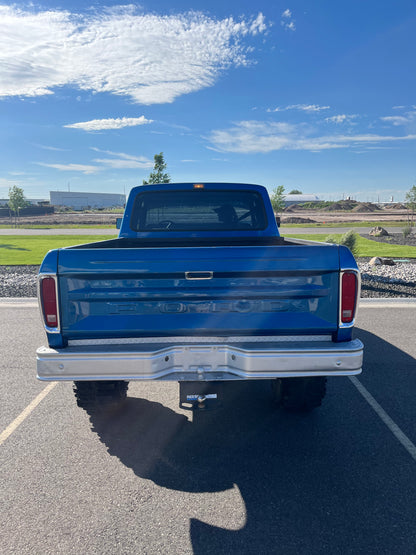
x=199 y=395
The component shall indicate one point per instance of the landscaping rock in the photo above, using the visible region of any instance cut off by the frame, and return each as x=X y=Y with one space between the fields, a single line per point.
x=377 y=261
x=378 y=232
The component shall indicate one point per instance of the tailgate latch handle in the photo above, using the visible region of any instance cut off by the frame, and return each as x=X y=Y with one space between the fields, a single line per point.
x=199 y=275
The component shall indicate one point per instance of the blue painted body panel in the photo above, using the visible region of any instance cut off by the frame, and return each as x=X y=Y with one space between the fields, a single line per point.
x=255 y=289
x=144 y=292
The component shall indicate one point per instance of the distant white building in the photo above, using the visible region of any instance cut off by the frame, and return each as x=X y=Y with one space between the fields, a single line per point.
x=300 y=199
x=84 y=201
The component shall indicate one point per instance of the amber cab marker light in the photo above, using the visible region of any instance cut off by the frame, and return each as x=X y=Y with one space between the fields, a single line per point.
x=198 y=186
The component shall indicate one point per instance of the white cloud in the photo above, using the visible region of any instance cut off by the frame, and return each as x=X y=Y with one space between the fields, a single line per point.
x=123 y=161
x=118 y=160
x=300 y=107
x=257 y=136
x=336 y=119
x=110 y=123
x=307 y=107
x=287 y=22
x=395 y=120
x=123 y=164
x=258 y=25
x=288 y=25
x=149 y=58
x=53 y=148
x=408 y=119
x=72 y=167
x=6 y=183
x=122 y=155
x=341 y=118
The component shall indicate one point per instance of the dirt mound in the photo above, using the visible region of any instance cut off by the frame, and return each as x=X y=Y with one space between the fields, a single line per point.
x=296 y=220
x=366 y=207
x=291 y=208
x=341 y=205
x=351 y=206
x=361 y=208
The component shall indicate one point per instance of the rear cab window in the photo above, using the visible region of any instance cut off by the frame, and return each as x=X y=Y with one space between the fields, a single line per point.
x=198 y=210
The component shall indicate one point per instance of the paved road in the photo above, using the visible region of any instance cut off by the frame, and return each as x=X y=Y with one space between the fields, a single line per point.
x=55 y=231
x=109 y=231
x=248 y=478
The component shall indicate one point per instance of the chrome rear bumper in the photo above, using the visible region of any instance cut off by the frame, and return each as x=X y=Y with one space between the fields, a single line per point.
x=199 y=361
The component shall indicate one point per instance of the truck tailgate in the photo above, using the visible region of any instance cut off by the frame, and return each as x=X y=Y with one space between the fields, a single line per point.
x=238 y=290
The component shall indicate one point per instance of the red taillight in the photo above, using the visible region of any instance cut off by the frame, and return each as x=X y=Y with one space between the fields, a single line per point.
x=348 y=297
x=49 y=305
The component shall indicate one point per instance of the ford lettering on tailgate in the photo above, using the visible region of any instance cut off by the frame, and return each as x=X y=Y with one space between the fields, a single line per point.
x=197 y=307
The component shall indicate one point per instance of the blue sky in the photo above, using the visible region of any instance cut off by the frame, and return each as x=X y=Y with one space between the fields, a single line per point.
x=318 y=96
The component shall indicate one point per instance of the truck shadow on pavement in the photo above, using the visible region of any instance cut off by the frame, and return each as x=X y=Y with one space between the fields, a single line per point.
x=325 y=482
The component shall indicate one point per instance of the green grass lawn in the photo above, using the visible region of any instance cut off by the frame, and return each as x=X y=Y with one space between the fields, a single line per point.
x=366 y=247
x=30 y=249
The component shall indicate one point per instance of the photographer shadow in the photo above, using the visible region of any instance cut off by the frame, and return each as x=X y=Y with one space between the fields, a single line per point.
x=304 y=479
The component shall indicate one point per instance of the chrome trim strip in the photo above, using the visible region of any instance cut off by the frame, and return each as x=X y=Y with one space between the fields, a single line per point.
x=200 y=362
x=181 y=340
x=357 y=296
x=49 y=329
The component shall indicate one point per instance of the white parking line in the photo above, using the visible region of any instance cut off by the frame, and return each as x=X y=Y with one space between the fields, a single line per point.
x=382 y=414
x=25 y=413
x=19 y=302
x=397 y=302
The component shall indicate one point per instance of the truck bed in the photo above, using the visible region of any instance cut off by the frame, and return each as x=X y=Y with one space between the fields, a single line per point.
x=137 y=287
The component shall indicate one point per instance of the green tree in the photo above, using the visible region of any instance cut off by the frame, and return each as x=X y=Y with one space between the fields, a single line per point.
x=410 y=200
x=158 y=175
x=277 y=199
x=295 y=192
x=17 y=201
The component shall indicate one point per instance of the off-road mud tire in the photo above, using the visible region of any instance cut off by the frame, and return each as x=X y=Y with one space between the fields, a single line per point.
x=300 y=394
x=100 y=396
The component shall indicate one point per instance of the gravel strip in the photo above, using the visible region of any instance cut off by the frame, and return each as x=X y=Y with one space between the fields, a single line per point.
x=18 y=281
x=377 y=281
x=388 y=281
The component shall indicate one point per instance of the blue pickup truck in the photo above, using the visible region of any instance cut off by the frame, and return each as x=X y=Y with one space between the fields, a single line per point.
x=199 y=288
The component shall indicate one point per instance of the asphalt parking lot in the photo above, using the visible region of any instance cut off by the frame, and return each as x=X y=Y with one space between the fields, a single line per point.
x=247 y=478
